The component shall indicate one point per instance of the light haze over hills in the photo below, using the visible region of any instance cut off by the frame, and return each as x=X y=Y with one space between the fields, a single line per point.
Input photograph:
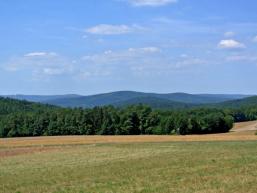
x=124 y=98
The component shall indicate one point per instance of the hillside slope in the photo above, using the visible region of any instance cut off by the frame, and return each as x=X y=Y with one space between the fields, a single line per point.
x=40 y=98
x=154 y=102
x=8 y=106
x=123 y=98
x=250 y=101
x=127 y=97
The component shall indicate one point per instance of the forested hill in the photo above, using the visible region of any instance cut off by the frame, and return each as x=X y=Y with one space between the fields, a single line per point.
x=154 y=102
x=41 y=98
x=8 y=106
x=250 y=101
x=123 y=98
x=21 y=118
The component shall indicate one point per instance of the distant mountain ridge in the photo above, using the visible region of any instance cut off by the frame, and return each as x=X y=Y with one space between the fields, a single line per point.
x=239 y=103
x=154 y=102
x=40 y=98
x=124 y=98
x=8 y=105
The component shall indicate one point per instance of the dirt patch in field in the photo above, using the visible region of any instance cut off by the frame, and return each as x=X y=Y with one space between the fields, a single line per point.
x=21 y=151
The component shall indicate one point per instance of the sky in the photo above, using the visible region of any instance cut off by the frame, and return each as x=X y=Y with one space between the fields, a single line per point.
x=96 y=46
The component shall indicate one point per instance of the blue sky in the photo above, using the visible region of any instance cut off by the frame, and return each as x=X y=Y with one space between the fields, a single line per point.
x=96 y=46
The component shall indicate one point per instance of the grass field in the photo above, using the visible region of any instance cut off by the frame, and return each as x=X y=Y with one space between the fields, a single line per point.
x=224 y=163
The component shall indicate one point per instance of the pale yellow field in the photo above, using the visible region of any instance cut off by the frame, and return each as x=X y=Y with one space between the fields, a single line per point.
x=220 y=163
x=240 y=132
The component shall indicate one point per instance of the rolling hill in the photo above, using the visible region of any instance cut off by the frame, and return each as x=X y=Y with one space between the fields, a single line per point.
x=249 y=101
x=40 y=98
x=124 y=98
x=8 y=106
x=154 y=102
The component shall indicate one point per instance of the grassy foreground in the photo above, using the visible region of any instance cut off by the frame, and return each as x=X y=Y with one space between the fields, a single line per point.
x=131 y=167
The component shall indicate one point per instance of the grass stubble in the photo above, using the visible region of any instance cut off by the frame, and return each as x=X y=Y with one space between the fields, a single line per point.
x=130 y=166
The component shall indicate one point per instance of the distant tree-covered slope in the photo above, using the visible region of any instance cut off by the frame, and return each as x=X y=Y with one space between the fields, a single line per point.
x=199 y=98
x=8 y=106
x=225 y=97
x=154 y=102
x=41 y=98
x=95 y=100
x=250 y=101
x=22 y=118
x=126 y=96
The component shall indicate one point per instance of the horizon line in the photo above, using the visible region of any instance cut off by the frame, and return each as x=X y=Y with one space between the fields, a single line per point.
x=108 y=92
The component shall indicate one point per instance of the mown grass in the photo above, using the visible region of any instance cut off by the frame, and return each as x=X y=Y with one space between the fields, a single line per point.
x=136 y=167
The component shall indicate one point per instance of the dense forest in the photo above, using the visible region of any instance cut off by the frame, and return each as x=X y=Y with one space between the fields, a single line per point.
x=21 y=118
x=126 y=98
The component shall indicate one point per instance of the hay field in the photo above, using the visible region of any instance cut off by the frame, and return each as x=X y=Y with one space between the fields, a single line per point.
x=183 y=164
x=241 y=131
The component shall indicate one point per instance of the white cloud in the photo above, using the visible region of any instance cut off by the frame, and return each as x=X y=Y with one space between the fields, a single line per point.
x=229 y=34
x=128 y=55
x=40 y=64
x=105 y=29
x=92 y=73
x=238 y=58
x=255 y=39
x=165 y=66
x=190 y=62
x=230 y=44
x=145 y=50
x=149 y=60
x=53 y=71
x=34 y=54
x=164 y=20
x=120 y=62
x=137 y=61
x=152 y=3
x=183 y=56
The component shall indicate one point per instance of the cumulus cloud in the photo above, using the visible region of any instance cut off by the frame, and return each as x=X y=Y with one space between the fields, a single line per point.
x=239 y=58
x=105 y=29
x=149 y=60
x=53 y=71
x=138 y=61
x=128 y=55
x=230 y=44
x=229 y=34
x=152 y=3
x=122 y=61
x=144 y=50
x=40 y=64
x=255 y=39
x=35 y=54
x=165 y=65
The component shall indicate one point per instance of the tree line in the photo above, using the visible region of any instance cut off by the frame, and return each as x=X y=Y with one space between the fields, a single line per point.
x=20 y=119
